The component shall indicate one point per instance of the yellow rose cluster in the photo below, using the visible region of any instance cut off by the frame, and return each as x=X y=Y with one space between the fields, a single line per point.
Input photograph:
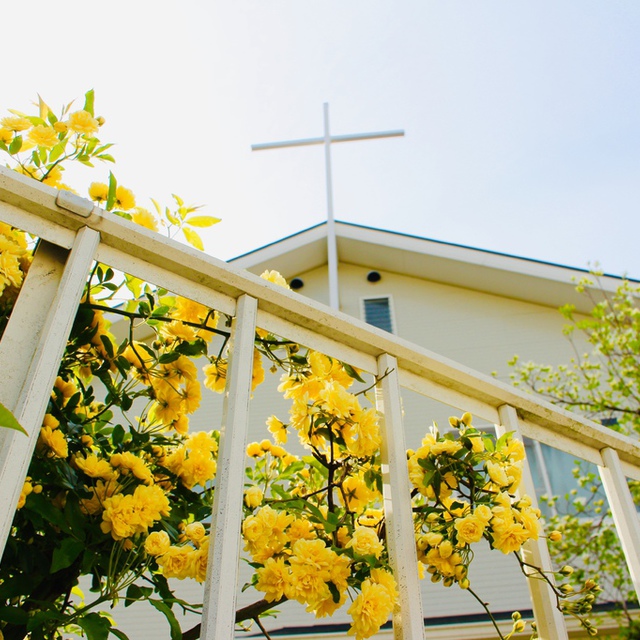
x=299 y=565
x=323 y=411
x=125 y=515
x=188 y=560
x=195 y=462
x=14 y=262
x=326 y=536
x=47 y=141
x=466 y=484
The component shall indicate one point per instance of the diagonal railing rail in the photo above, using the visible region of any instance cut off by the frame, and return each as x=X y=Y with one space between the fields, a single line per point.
x=73 y=233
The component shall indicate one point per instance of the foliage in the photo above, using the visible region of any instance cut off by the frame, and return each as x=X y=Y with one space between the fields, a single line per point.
x=120 y=490
x=604 y=385
x=40 y=146
x=8 y=420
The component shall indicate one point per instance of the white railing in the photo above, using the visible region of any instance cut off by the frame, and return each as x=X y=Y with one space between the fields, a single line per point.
x=74 y=233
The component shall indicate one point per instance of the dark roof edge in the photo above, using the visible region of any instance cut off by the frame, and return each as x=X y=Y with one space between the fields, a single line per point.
x=440 y=242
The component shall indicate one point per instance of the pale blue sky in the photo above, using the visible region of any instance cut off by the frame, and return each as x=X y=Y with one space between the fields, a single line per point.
x=522 y=118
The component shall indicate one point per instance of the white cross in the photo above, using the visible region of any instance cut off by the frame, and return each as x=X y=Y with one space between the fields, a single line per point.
x=327 y=139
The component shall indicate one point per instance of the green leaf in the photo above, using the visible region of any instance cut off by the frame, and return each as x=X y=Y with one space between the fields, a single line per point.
x=43 y=108
x=202 y=221
x=117 y=434
x=96 y=627
x=176 y=632
x=57 y=151
x=119 y=634
x=488 y=443
x=8 y=420
x=352 y=372
x=502 y=441
x=134 y=592
x=111 y=197
x=144 y=308
x=108 y=345
x=64 y=555
x=162 y=310
x=167 y=358
x=13 y=615
x=107 y=157
x=335 y=593
x=170 y=217
x=36 y=121
x=134 y=284
x=88 y=101
x=193 y=238
x=16 y=145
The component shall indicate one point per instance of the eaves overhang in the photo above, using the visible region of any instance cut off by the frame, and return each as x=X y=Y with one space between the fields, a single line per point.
x=491 y=272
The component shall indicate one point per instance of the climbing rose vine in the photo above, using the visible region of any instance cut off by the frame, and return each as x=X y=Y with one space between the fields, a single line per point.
x=120 y=488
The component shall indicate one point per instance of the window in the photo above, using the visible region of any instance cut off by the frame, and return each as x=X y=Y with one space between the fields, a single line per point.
x=377 y=311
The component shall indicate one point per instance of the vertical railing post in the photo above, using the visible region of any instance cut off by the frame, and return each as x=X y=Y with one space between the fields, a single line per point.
x=408 y=623
x=625 y=515
x=219 y=604
x=30 y=353
x=549 y=620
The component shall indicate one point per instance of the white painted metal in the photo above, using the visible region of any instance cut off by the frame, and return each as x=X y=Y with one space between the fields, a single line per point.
x=332 y=245
x=305 y=142
x=75 y=203
x=327 y=139
x=168 y=279
x=550 y=622
x=30 y=354
x=218 y=614
x=408 y=623
x=166 y=256
x=624 y=512
x=544 y=473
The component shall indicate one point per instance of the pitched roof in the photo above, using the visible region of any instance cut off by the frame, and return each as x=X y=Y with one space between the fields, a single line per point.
x=447 y=263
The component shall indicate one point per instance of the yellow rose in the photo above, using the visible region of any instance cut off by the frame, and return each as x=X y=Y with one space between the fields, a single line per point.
x=274 y=579
x=508 y=536
x=253 y=497
x=216 y=375
x=365 y=542
x=43 y=136
x=94 y=467
x=449 y=447
x=254 y=450
x=198 y=561
x=195 y=531
x=275 y=278
x=497 y=474
x=125 y=199
x=83 y=122
x=145 y=218
x=176 y=562
x=483 y=512
x=98 y=191
x=470 y=528
x=370 y=610
x=6 y=135
x=15 y=123
x=157 y=543
x=54 y=441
